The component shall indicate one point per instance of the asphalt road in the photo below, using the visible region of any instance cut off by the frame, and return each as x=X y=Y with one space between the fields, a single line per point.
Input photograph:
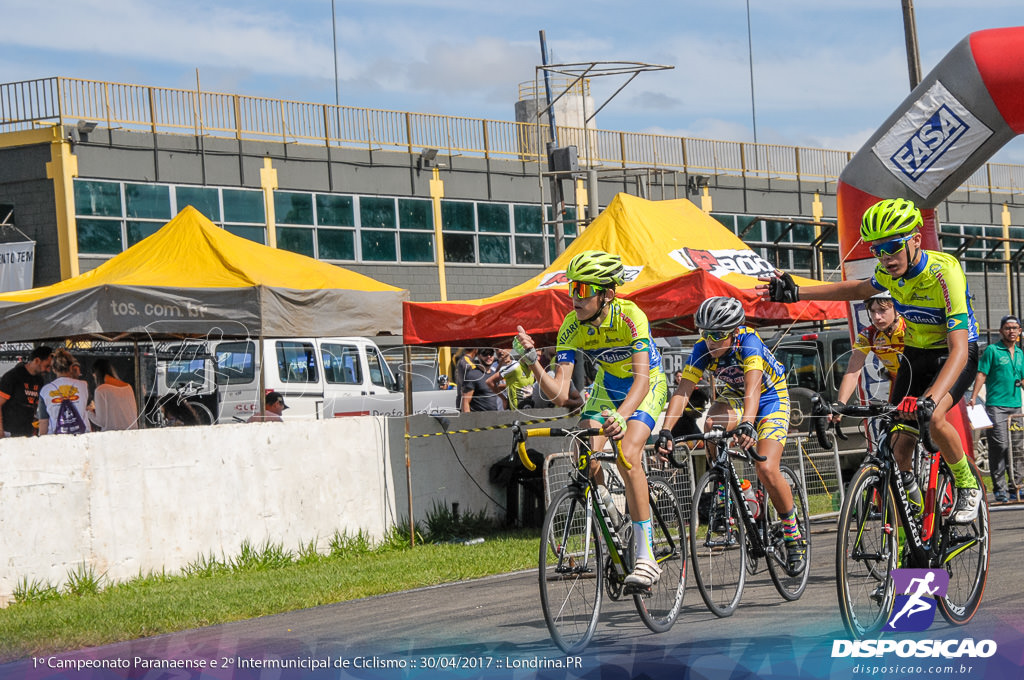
x=494 y=627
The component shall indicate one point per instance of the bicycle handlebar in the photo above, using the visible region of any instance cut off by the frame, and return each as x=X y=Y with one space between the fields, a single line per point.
x=521 y=434
x=715 y=434
x=821 y=410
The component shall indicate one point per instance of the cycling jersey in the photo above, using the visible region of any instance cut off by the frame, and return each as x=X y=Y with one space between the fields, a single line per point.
x=933 y=298
x=887 y=346
x=748 y=353
x=611 y=347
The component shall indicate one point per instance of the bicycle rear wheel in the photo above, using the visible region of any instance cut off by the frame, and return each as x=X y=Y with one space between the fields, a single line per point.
x=659 y=609
x=866 y=551
x=571 y=570
x=790 y=587
x=965 y=549
x=718 y=545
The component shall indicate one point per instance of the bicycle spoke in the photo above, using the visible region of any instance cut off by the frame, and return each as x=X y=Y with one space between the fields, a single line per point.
x=717 y=546
x=866 y=553
x=965 y=553
x=660 y=607
x=570 y=571
x=790 y=587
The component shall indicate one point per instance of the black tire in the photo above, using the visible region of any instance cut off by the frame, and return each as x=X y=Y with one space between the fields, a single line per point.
x=659 y=609
x=571 y=570
x=790 y=587
x=204 y=416
x=718 y=547
x=969 y=546
x=866 y=551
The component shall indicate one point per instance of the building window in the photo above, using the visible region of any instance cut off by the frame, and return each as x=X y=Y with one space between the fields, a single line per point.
x=99 y=237
x=148 y=201
x=296 y=240
x=334 y=211
x=293 y=208
x=204 y=199
x=99 y=199
x=336 y=244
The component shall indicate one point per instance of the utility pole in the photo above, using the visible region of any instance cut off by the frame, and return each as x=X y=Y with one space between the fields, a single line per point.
x=913 y=56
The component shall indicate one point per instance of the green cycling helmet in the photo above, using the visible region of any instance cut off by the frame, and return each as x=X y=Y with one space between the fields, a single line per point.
x=596 y=267
x=889 y=218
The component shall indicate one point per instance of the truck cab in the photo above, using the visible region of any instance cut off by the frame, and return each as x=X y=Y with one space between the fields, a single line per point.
x=318 y=377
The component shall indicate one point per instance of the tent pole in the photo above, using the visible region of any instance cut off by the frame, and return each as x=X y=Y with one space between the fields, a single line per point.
x=407 y=351
x=139 y=397
x=261 y=401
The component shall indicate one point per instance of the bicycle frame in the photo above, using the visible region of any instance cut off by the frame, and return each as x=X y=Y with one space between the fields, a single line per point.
x=757 y=529
x=925 y=543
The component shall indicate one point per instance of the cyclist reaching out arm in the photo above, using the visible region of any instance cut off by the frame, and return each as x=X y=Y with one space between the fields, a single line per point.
x=930 y=289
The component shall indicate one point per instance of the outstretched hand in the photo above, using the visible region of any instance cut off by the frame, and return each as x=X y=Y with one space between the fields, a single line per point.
x=779 y=287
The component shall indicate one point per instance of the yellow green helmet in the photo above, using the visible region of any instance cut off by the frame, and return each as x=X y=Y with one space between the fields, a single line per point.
x=889 y=218
x=596 y=267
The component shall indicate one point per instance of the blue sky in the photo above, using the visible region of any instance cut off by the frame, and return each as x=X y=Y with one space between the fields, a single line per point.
x=826 y=72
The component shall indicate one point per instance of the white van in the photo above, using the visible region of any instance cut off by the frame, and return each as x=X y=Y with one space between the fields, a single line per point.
x=318 y=377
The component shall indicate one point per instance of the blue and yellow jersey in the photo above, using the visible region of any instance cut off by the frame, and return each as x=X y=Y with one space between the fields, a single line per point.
x=748 y=353
x=611 y=346
x=933 y=297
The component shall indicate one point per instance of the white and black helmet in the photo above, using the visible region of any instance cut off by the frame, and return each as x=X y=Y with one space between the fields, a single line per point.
x=719 y=314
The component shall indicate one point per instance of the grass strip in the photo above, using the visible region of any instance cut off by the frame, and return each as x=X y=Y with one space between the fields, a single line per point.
x=157 y=604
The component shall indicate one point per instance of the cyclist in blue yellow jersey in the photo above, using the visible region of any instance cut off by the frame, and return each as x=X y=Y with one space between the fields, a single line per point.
x=629 y=390
x=929 y=289
x=751 y=395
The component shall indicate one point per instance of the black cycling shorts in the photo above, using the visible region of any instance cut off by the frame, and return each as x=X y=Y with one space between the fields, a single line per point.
x=919 y=368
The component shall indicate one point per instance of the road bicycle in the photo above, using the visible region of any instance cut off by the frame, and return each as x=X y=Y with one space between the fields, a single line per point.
x=730 y=533
x=585 y=554
x=880 y=531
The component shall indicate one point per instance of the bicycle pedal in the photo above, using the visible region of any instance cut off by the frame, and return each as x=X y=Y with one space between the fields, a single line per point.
x=633 y=589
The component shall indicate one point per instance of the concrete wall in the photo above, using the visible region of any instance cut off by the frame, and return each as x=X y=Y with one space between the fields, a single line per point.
x=141 y=501
x=144 y=501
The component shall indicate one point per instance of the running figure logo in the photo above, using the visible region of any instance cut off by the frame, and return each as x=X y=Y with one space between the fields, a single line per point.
x=914 y=606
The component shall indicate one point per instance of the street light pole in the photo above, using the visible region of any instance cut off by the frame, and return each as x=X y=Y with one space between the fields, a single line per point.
x=913 y=56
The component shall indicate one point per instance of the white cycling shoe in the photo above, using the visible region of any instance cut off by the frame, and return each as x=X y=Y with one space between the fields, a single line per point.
x=968 y=502
x=645 y=574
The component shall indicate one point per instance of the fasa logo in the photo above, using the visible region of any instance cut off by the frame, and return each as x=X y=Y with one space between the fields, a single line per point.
x=916 y=593
x=927 y=145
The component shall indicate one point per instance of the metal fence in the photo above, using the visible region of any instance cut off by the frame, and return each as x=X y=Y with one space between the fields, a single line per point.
x=817 y=468
x=143 y=108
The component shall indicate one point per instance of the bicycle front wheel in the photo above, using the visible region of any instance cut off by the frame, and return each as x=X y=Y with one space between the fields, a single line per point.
x=965 y=553
x=866 y=551
x=660 y=607
x=790 y=587
x=718 y=544
x=571 y=570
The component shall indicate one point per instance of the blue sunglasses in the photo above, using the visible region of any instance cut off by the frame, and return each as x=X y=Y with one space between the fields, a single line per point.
x=890 y=248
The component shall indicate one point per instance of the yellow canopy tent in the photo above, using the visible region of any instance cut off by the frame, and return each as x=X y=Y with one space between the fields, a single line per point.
x=675 y=256
x=194 y=278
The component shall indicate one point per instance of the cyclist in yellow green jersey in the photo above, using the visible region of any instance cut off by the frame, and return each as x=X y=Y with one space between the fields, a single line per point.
x=929 y=289
x=629 y=391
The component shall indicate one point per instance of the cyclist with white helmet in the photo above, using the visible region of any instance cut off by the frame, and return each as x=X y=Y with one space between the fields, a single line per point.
x=629 y=390
x=750 y=390
x=929 y=289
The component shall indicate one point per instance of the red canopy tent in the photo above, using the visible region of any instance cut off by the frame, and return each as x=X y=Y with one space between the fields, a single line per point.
x=676 y=256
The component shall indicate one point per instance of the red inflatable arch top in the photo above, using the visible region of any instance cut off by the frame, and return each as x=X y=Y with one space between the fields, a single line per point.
x=964 y=111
